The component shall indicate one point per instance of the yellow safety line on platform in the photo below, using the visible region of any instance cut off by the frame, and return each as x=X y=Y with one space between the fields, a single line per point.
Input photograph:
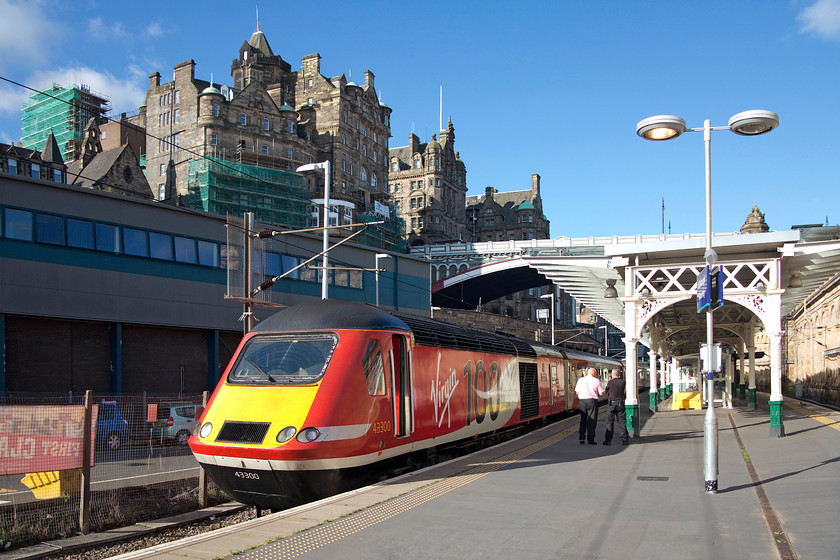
x=815 y=415
x=332 y=531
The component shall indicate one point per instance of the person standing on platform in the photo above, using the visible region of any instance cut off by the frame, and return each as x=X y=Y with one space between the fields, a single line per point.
x=615 y=393
x=588 y=389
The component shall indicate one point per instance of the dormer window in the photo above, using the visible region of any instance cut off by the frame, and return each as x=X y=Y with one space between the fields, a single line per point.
x=417 y=163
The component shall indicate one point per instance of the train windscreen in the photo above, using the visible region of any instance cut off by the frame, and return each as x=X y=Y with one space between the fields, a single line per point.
x=283 y=360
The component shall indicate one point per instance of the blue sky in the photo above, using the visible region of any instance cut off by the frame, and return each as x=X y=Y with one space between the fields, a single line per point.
x=554 y=88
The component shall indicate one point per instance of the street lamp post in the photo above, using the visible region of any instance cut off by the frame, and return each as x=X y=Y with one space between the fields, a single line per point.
x=551 y=295
x=665 y=127
x=379 y=256
x=325 y=165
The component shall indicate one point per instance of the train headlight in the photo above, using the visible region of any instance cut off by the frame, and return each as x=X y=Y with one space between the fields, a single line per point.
x=206 y=429
x=286 y=434
x=308 y=435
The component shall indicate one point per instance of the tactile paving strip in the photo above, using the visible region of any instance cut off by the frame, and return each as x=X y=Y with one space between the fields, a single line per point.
x=332 y=531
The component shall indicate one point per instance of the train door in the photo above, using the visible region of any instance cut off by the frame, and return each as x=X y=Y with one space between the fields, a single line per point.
x=570 y=380
x=555 y=384
x=401 y=382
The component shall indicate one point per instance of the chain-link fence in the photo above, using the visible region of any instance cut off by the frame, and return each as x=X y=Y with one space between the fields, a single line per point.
x=140 y=464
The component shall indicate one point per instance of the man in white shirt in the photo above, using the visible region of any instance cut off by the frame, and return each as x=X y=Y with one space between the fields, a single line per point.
x=588 y=389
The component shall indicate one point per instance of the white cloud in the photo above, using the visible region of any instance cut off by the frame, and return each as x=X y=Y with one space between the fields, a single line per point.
x=17 y=39
x=821 y=18
x=101 y=30
x=154 y=29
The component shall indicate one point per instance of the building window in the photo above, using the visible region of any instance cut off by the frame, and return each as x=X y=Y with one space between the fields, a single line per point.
x=343 y=138
x=290 y=127
x=36 y=171
x=362 y=173
x=160 y=246
x=176 y=141
x=49 y=229
x=373 y=179
x=107 y=238
x=289 y=153
x=375 y=157
x=215 y=109
x=343 y=162
x=375 y=137
x=397 y=187
x=185 y=250
x=364 y=150
x=56 y=176
x=161 y=191
x=135 y=242
x=420 y=223
x=243 y=119
x=177 y=117
x=310 y=101
x=18 y=224
x=265 y=149
x=177 y=97
x=214 y=139
x=420 y=202
x=79 y=233
x=364 y=131
x=394 y=166
x=162 y=169
x=417 y=163
x=309 y=82
x=413 y=203
x=266 y=123
x=344 y=116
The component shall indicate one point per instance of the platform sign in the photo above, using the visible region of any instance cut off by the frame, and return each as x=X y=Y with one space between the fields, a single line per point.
x=710 y=361
x=704 y=295
x=709 y=289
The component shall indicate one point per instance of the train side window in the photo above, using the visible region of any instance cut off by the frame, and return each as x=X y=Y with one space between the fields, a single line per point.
x=374 y=372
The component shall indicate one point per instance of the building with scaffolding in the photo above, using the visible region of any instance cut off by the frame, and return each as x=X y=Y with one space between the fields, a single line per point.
x=271 y=117
x=222 y=187
x=64 y=111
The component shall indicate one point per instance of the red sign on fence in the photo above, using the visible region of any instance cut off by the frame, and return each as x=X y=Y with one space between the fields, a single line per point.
x=42 y=438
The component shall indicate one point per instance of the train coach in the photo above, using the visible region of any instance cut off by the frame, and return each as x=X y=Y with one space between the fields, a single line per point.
x=323 y=395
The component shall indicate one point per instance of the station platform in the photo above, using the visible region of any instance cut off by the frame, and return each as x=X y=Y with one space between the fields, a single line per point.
x=544 y=495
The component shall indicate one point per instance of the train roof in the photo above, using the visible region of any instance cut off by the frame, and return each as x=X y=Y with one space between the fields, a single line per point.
x=428 y=332
x=340 y=314
x=331 y=314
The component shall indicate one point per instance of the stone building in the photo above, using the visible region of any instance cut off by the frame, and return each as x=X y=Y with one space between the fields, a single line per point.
x=276 y=118
x=115 y=170
x=428 y=182
x=45 y=164
x=505 y=216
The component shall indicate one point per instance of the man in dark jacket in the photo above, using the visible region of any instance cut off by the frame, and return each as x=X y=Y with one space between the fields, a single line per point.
x=615 y=395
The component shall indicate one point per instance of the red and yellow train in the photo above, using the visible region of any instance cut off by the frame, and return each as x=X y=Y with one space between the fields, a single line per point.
x=322 y=395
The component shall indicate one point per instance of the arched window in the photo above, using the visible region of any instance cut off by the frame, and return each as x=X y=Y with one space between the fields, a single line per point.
x=373 y=179
x=362 y=173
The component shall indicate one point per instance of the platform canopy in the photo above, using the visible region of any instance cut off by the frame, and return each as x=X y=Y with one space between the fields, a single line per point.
x=792 y=263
